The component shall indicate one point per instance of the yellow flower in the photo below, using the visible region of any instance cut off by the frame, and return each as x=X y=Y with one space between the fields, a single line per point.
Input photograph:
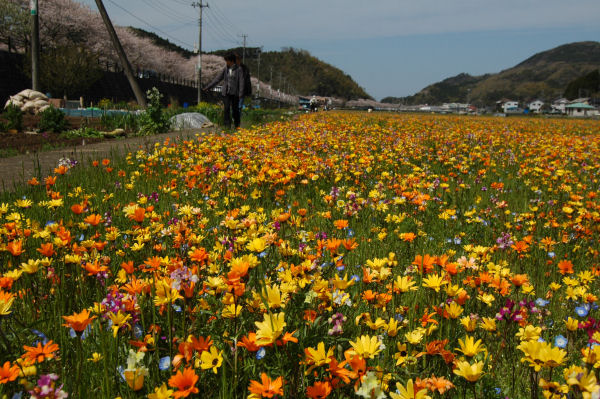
x=541 y=354
x=6 y=301
x=468 y=323
x=415 y=336
x=231 y=311
x=256 y=245
x=469 y=347
x=96 y=357
x=488 y=324
x=272 y=295
x=31 y=267
x=211 y=359
x=435 y=282
x=161 y=392
x=454 y=310
x=572 y=324
x=270 y=328
x=165 y=294
x=404 y=284
x=317 y=357
x=529 y=333
x=470 y=372
x=119 y=320
x=366 y=346
x=409 y=392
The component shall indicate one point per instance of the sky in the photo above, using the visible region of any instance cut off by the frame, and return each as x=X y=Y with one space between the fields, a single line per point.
x=389 y=47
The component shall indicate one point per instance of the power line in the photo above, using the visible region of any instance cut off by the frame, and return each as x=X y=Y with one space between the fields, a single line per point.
x=171 y=13
x=150 y=25
x=225 y=35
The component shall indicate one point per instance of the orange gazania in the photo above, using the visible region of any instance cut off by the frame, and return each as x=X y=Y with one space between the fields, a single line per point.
x=78 y=321
x=93 y=219
x=15 y=247
x=267 y=388
x=9 y=372
x=565 y=267
x=39 y=353
x=46 y=249
x=94 y=268
x=319 y=390
x=185 y=383
x=340 y=224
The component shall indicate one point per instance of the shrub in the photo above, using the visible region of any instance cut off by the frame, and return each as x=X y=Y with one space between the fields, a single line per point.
x=213 y=112
x=82 y=132
x=128 y=122
x=52 y=120
x=14 y=118
x=153 y=120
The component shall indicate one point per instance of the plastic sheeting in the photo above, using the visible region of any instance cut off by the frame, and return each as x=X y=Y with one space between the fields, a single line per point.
x=190 y=120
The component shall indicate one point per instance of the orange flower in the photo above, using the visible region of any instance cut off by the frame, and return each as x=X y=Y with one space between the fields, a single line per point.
x=33 y=181
x=138 y=215
x=201 y=344
x=565 y=267
x=340 y=224
x=319 y=390
x=50 y=181
x=185 y=383
x=93 y=219
x=266 y=388
x=249 y=342
x=94 y=268
x=105 y=162
x=77 y=209
x=15 y=247
x=46 y=249
x=61 y=170
x=8 y=373
x=424 y=263
x=283 y=217
x=39 y=353
x=128 y=267
x=78 y=321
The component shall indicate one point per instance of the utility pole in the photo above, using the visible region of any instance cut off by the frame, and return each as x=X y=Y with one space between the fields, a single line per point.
x=199 y=70
x=244 y=49
x=258 y=73
x=35 y=46
x=139 y=95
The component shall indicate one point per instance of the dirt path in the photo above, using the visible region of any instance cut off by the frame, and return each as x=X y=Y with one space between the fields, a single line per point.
x=19 y=169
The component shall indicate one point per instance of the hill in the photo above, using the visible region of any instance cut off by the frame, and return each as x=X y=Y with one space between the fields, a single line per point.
x=298 y=72
x=161 y=42
x=544 y=75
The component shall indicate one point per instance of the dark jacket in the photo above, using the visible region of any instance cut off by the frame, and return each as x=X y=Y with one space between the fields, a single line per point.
x=233 y=83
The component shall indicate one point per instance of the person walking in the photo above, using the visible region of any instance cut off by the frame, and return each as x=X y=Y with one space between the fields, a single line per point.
x=232 y=90
x=247 y=81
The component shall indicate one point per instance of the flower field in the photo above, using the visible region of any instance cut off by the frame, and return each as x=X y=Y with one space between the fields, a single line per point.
x=337 y=255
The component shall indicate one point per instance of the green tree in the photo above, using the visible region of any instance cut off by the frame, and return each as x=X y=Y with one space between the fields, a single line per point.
x=14 y=25
x=67 y=70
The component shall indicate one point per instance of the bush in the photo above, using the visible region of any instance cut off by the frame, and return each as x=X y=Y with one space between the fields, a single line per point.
x=153 y=120
x=82 y=132
x=128 y=122
x=213 y=112
x=14 y=118
x=52 y=120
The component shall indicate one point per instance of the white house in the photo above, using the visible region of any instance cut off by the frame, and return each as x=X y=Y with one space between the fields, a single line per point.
x=510 y=106
x=536 y=106
x=581 y=109
x=559 y=105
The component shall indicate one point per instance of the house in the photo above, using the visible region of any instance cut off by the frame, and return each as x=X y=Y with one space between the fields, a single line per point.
x=558 y=106
x=536 y=106
x=510 y=106
x=581 y=109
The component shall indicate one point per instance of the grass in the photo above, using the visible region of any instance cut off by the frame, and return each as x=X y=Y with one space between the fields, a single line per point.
x=363 y=250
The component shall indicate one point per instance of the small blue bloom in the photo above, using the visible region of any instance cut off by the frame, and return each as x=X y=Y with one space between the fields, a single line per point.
x=581 y=311
x=541 y=302
x=551 y=254
x=350 y=233
x=355 y=277
x=341 y=267
x=260 y=353
x=17 y=395
x=121 y=372
x=262 y=254
x=41 y=335
x=164 y=363
x=560 y=341
x=540 y=339
x=137 y=331
x=177 y=308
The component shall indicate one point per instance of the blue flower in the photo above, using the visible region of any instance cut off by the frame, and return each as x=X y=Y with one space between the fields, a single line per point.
x=355 y=277
x=350 y=233
x=581 y=311
x=551 y=254
x=260 y=353
x=137 y=331
x=560 y=341
x=164 y=363
x=541 y=302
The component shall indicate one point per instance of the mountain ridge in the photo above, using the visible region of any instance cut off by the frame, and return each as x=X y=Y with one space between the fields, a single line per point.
x=545 y=75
